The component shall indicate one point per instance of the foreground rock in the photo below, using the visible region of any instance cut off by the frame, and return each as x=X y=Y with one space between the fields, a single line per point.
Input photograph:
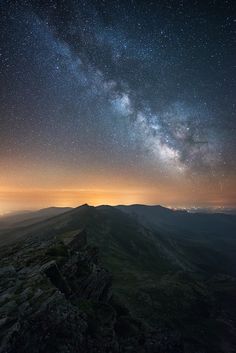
x=57 y=297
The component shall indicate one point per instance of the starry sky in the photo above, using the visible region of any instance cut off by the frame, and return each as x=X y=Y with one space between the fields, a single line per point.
x=117 y=102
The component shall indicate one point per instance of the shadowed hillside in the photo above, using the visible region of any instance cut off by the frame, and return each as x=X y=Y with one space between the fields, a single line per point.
x=164 y=283
x=27 y=218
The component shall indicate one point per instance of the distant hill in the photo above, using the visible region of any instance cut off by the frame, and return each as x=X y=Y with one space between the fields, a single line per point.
x=159 y=217
x=24 y=218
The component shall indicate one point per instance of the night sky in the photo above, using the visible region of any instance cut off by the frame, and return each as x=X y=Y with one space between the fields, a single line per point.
x=117 y=102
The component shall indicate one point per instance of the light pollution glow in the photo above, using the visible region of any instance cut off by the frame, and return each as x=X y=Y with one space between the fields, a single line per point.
x=25 y=192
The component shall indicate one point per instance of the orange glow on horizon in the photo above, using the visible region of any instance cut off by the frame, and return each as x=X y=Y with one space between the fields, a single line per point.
x=13 y=199
x=23 y=187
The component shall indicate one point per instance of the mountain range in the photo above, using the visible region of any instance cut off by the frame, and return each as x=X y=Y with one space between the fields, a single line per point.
x=118 y=279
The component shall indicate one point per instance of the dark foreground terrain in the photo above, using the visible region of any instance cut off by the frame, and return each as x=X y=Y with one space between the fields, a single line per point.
x=118 y=279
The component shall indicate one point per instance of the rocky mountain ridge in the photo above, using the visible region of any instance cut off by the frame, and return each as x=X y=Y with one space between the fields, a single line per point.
x=97 y=280
x=57 y=297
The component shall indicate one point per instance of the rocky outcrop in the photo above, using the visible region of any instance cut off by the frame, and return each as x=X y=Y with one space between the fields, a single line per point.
x=51 y=270
x=79 y=240
x=58 y=298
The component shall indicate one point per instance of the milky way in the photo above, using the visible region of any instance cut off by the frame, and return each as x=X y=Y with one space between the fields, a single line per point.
x=141 y=86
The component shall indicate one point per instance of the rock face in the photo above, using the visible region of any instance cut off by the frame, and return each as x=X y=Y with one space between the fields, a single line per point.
x=58 y=298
